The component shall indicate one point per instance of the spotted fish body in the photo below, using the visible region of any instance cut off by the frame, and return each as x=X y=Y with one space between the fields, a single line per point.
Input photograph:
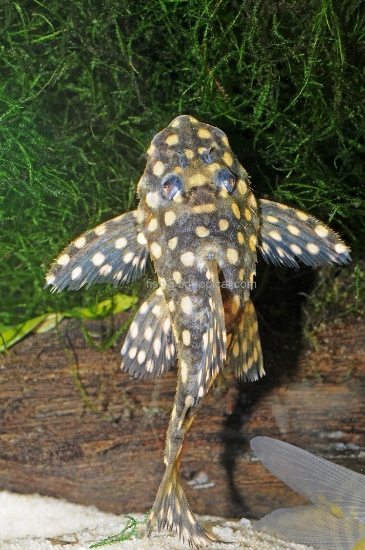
x=199 y=222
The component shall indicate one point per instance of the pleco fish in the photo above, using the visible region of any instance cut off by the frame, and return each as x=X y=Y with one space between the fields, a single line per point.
x=199 y=221
x=337 y=519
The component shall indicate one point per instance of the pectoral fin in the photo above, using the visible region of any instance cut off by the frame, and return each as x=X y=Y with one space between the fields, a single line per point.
x=113 y=252
x=287 y=234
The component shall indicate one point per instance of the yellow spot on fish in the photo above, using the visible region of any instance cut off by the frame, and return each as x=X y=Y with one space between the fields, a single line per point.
x=76 y=272
x=158 y=168
x=100 y=230
x=133 y=352
x=293 y=229
x=252 y=201
x=223 y=224
x=340 y=248
x=214 y=167
x=186 y=337
x=203 y=133
x=205 y=340
x=225 y=141
x=204 y=208
x=241 y=274
x=236 y=349
x=197 y=180
x=178 y=198
x=156 y=310
x=296 y=249
x=157 y=346
x=172 y=243
x=232 y=256
x=120 y=243
x=105 y=269
x=202 y=231
x=312 y=248
x=272 y=219
x=240 y=237
x=184 y=371
x=301 y=215
x=187 y=259
x=173 y=139
x=223 y=193
x=177 y=277
x=228 y=159
x=186 y=305
x=169 y=217
x=175 y=123
x=153 y=225
x=248 y=214
x=252 y=242
x=141 y=239
x=321 y=231
x=50 y=279
x=162 y=282
x=189 y=153
x=151 y=150
x=64 y=259
x=235 y=304
x=98 y=259
x=244 y=346
x=275 y=235
x=141 y=357
x=242 y=187
x=152 y=199
x=80 y=242
x=236 y=211
x=148 y=333
x=156 y=250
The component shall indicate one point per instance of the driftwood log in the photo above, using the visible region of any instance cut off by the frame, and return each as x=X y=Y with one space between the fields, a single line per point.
x=74 y=426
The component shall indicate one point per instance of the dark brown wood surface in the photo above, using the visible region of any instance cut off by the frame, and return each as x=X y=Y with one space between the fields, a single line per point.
x=74 y=426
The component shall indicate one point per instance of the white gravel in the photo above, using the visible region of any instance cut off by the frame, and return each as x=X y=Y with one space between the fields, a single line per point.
x=33 y=522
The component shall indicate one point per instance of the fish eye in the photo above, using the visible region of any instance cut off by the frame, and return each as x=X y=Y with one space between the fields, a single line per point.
x=227 y=179
x=170 y=185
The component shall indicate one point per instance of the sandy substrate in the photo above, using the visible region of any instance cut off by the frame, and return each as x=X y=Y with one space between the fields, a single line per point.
x=33 y=522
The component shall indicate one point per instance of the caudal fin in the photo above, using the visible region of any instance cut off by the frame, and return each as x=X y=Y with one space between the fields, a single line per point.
x=171 y=511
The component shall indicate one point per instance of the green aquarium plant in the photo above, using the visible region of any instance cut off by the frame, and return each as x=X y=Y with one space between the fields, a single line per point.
x=84 y=87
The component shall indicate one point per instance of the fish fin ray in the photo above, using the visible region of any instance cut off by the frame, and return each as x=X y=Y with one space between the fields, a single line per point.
x=149 y=347
x=171 y=511
x=287 y=234
x=214 y=338
x=337 y=489
x=246 y=354
x=114 y=252
x=314 y=526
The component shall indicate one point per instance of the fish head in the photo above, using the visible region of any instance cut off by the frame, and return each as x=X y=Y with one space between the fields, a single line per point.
x=196 y=205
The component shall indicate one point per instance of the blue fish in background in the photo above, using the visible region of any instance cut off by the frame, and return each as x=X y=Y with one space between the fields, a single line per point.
x=337 y=519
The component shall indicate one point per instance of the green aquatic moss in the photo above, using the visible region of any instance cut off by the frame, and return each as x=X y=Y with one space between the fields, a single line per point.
x=85 y=85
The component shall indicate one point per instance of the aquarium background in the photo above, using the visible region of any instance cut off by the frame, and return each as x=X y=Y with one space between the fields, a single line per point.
x=84 y=86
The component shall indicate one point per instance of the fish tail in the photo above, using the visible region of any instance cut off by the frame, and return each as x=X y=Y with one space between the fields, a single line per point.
x=172 y=511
